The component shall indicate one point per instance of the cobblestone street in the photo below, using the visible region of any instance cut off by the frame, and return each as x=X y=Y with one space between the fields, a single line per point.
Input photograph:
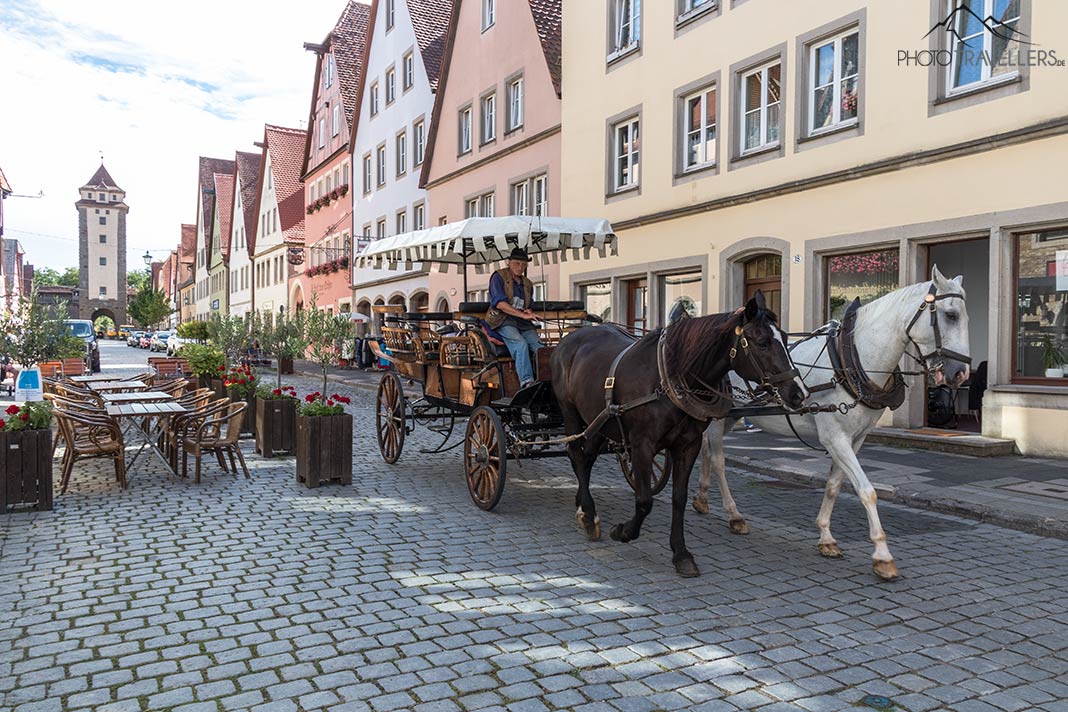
x=398 y=593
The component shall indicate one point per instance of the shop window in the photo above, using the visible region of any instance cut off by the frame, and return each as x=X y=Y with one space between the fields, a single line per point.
x=680 y=291
x=598 y=299
x=637 y=292
x=764 y=272
x=1041 y=320
x=868 y=275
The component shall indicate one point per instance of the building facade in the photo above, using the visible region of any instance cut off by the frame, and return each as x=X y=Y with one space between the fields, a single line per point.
x=186 y=278
x=494 y=145
x=396 y=98
x=280 y=215
x=102 y=213
x=745 y=145
x=219 y=262
x=5 y=190
x=242 y=232
x=207 y=168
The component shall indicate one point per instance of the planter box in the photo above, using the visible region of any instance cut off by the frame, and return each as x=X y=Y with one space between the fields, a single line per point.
x=276 y=424
x=248 y=423
x=26 y=469
x=324 y=450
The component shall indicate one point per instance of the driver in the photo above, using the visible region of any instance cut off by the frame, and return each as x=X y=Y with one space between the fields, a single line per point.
x=510 y=294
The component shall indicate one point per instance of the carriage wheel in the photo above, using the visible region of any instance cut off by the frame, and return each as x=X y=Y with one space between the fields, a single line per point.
x=485 y=457
x=659 y=476
x=389 y=417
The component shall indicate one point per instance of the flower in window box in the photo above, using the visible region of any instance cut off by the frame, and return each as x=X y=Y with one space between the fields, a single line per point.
x=334 y=195
x=344 y=261
x=310 y=208
x=344 y=189
x=326 y=199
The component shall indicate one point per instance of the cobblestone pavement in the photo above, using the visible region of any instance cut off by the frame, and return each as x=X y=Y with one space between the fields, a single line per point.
x=398 y=593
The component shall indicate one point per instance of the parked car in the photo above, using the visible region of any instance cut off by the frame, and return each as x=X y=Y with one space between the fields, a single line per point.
x=134 y=338
x=159 y=341
x=146 y=340
x=176 y=342
x=83 y=329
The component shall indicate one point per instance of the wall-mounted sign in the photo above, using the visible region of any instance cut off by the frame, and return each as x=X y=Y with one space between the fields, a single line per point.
x=215 y=304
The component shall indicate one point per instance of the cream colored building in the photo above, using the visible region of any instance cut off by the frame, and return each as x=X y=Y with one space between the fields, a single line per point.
x=804 y=149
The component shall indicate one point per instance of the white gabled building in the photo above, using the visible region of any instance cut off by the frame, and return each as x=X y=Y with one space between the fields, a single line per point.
x=396 y=98
x=243 y=228
x=208 y=167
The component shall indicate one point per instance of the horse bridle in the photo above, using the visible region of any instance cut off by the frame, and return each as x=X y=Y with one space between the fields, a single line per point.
x=930 y=302
x=768 y=382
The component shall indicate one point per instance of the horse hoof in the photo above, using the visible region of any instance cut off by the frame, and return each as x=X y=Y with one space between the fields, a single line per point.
x=593 y=532
x=617 y=533
x=831 y=551
x=886 y=570
x=739 y=526
x=700 y=505
x=687 y=568
x=578 y=515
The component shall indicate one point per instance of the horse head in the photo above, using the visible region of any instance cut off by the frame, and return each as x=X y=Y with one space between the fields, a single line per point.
x=943 y=340
x=763 y=357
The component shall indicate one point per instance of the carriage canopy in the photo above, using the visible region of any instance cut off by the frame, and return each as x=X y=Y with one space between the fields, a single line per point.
x=482 y=241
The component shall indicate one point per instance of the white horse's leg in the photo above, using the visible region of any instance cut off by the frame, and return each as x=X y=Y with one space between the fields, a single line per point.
x=713 y=458
x=843 y=450
x=828 y=546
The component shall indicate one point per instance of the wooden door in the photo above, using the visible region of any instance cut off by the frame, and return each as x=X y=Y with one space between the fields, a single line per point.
x=764 y=272
x=637 y=291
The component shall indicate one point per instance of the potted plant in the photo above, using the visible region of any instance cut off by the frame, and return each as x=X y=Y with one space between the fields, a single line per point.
x=240 y=384
x=325 y=333
x=32 y=333
x=26 y=456
x=1053 y=358
x=275 y=417
x=206 y=364
x=324 y=440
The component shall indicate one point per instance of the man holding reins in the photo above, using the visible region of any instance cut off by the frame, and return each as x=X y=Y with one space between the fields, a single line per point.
x=511 y=294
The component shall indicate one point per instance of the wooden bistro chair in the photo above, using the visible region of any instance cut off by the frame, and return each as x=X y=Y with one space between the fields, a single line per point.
x=217 y=433
x=77 y=406
x=90 y=436
x=73 y=367
x=181 y=426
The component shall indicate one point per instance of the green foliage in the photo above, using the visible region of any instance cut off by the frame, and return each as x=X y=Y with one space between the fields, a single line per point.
x=317 y=405
x=48 y=277
x=1052 y=356
x=230 y=333
x=103 y=323
x=239 y=381
x=30 y=416
x=139 y=279
x=33 y=332
x=195 y=330
x=149 y=308
x=204 y=361
x=325 y=333
x=279 y=335
x=265 y=392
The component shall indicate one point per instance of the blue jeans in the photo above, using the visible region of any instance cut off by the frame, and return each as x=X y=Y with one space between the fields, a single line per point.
x=520 y=343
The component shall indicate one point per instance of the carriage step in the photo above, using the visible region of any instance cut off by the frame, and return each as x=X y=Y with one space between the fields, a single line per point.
x=520 y=399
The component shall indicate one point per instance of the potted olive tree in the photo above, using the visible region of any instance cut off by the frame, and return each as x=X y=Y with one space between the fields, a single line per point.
x=32 y=333
x=279 y=336
x=26 y=456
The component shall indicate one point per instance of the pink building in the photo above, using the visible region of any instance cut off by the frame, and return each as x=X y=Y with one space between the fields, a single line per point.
x=494 y=144
x=326 y=272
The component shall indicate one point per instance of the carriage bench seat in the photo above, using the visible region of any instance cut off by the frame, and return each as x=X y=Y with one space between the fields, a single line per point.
x=426 y=316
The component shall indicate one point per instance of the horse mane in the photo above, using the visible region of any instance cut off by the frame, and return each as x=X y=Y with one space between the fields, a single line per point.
x=693 y=344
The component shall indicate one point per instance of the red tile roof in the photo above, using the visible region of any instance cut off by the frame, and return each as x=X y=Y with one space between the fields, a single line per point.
x=347 y=41
x=547 y=19
x=224 y=203
x=4 y=185
x=287 y=156
x=208 y=168
x=187 y=253
x=101 y=179
x=248 y=173
x=430 y=20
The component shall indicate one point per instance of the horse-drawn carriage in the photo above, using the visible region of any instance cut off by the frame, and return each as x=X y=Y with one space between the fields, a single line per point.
x=465 y=373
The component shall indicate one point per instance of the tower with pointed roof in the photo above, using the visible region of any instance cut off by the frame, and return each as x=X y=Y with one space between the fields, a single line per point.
x=102 y=213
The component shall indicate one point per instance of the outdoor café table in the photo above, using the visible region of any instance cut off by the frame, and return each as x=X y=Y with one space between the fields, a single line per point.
x=116 y=386
x=146 y=413
x=92 y=379
x=142 y=397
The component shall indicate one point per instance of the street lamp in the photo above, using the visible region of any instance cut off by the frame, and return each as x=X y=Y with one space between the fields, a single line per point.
x=147 y=257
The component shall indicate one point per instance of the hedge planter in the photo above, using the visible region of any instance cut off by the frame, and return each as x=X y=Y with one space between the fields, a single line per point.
x=26 y=469
x=324 y=449
x=275 y=426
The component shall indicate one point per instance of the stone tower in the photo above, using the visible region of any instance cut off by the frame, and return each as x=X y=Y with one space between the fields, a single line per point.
x=102 y=212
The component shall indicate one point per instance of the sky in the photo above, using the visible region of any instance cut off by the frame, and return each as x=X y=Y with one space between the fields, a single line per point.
x=150 y=86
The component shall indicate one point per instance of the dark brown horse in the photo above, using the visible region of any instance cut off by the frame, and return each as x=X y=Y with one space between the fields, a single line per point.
x=694 y=356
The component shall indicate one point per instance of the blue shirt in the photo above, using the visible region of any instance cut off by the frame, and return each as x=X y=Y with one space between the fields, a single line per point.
x=498 y=295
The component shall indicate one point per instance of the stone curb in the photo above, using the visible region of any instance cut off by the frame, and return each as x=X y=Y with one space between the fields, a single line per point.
x=1041 y=526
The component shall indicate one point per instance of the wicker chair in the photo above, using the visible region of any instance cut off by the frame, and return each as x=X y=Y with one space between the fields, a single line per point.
x=90 y=436
x=185 y=424
x=217 y=433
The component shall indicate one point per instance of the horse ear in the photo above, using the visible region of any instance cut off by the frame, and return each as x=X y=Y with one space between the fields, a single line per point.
x=759 y=299
x=936 y=275
x=752 y=308
x=958 y=280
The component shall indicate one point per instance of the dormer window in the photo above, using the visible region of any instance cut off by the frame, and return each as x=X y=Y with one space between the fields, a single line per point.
x=102 y=198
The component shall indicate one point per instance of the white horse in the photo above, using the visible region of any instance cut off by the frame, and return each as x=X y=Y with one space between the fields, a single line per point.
x=882 y=338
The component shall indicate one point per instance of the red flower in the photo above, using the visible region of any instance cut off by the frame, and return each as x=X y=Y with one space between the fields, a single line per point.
x=12 y=409
x=222 y=368
x=241 y=382
x=25 y=417
x=309 y=398
x=277 y=391
x=330 y=402
x=2 y=423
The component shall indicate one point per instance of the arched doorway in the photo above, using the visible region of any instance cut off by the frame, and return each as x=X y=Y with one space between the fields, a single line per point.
x=419 y=302
x=443 y=305
x=104 y=320
x=296 y=299
x=764 y=272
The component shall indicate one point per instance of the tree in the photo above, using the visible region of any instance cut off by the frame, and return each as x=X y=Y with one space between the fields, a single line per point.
x=148 y=308
x=139 y=279
x=279 y=336
x=104 y=323
x=33 y=332
x=324 y=333
x=48 y=277
x=229 y=333
x=195 y=330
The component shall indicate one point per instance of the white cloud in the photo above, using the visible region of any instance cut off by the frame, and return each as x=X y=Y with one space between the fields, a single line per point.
x=153 y=86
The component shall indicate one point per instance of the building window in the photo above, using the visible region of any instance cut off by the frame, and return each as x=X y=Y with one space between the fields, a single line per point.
x=102 y=198
x=418 y=216
x=103 y=291
x=103 y=261
x=465 y=131
x=337 y=121
x=402 y=153
x=626 y=155
x=391 y=14
x=868 y=275
x=625 y=26
x=515 y=103
x=345 y=173
x=322 y=132
x=367 y=230
x=521 y=198
x=699 y=129
x=337 y=177
x=1041 y=318
x=680 y=292
x=391 y=85
x=374 y=99
x=761 y=101
x=409 y=71
x=367 y=173
x=833 y=82
x=328 y=70
x=687 y=7
x=402 y=222
x=488 y=118
x=541 y=195
x=471 y=208
x=103 y=239
x=380 y=165
x=487 y=207
x=982 y=39
x=481 y=206
x=489 y=14
x=598 y=299
x=380 y=228
x=419 y=137
x=328 y=183
x=103 y=220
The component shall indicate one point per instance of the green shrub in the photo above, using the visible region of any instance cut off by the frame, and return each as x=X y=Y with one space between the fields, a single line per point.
x=204 y=361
